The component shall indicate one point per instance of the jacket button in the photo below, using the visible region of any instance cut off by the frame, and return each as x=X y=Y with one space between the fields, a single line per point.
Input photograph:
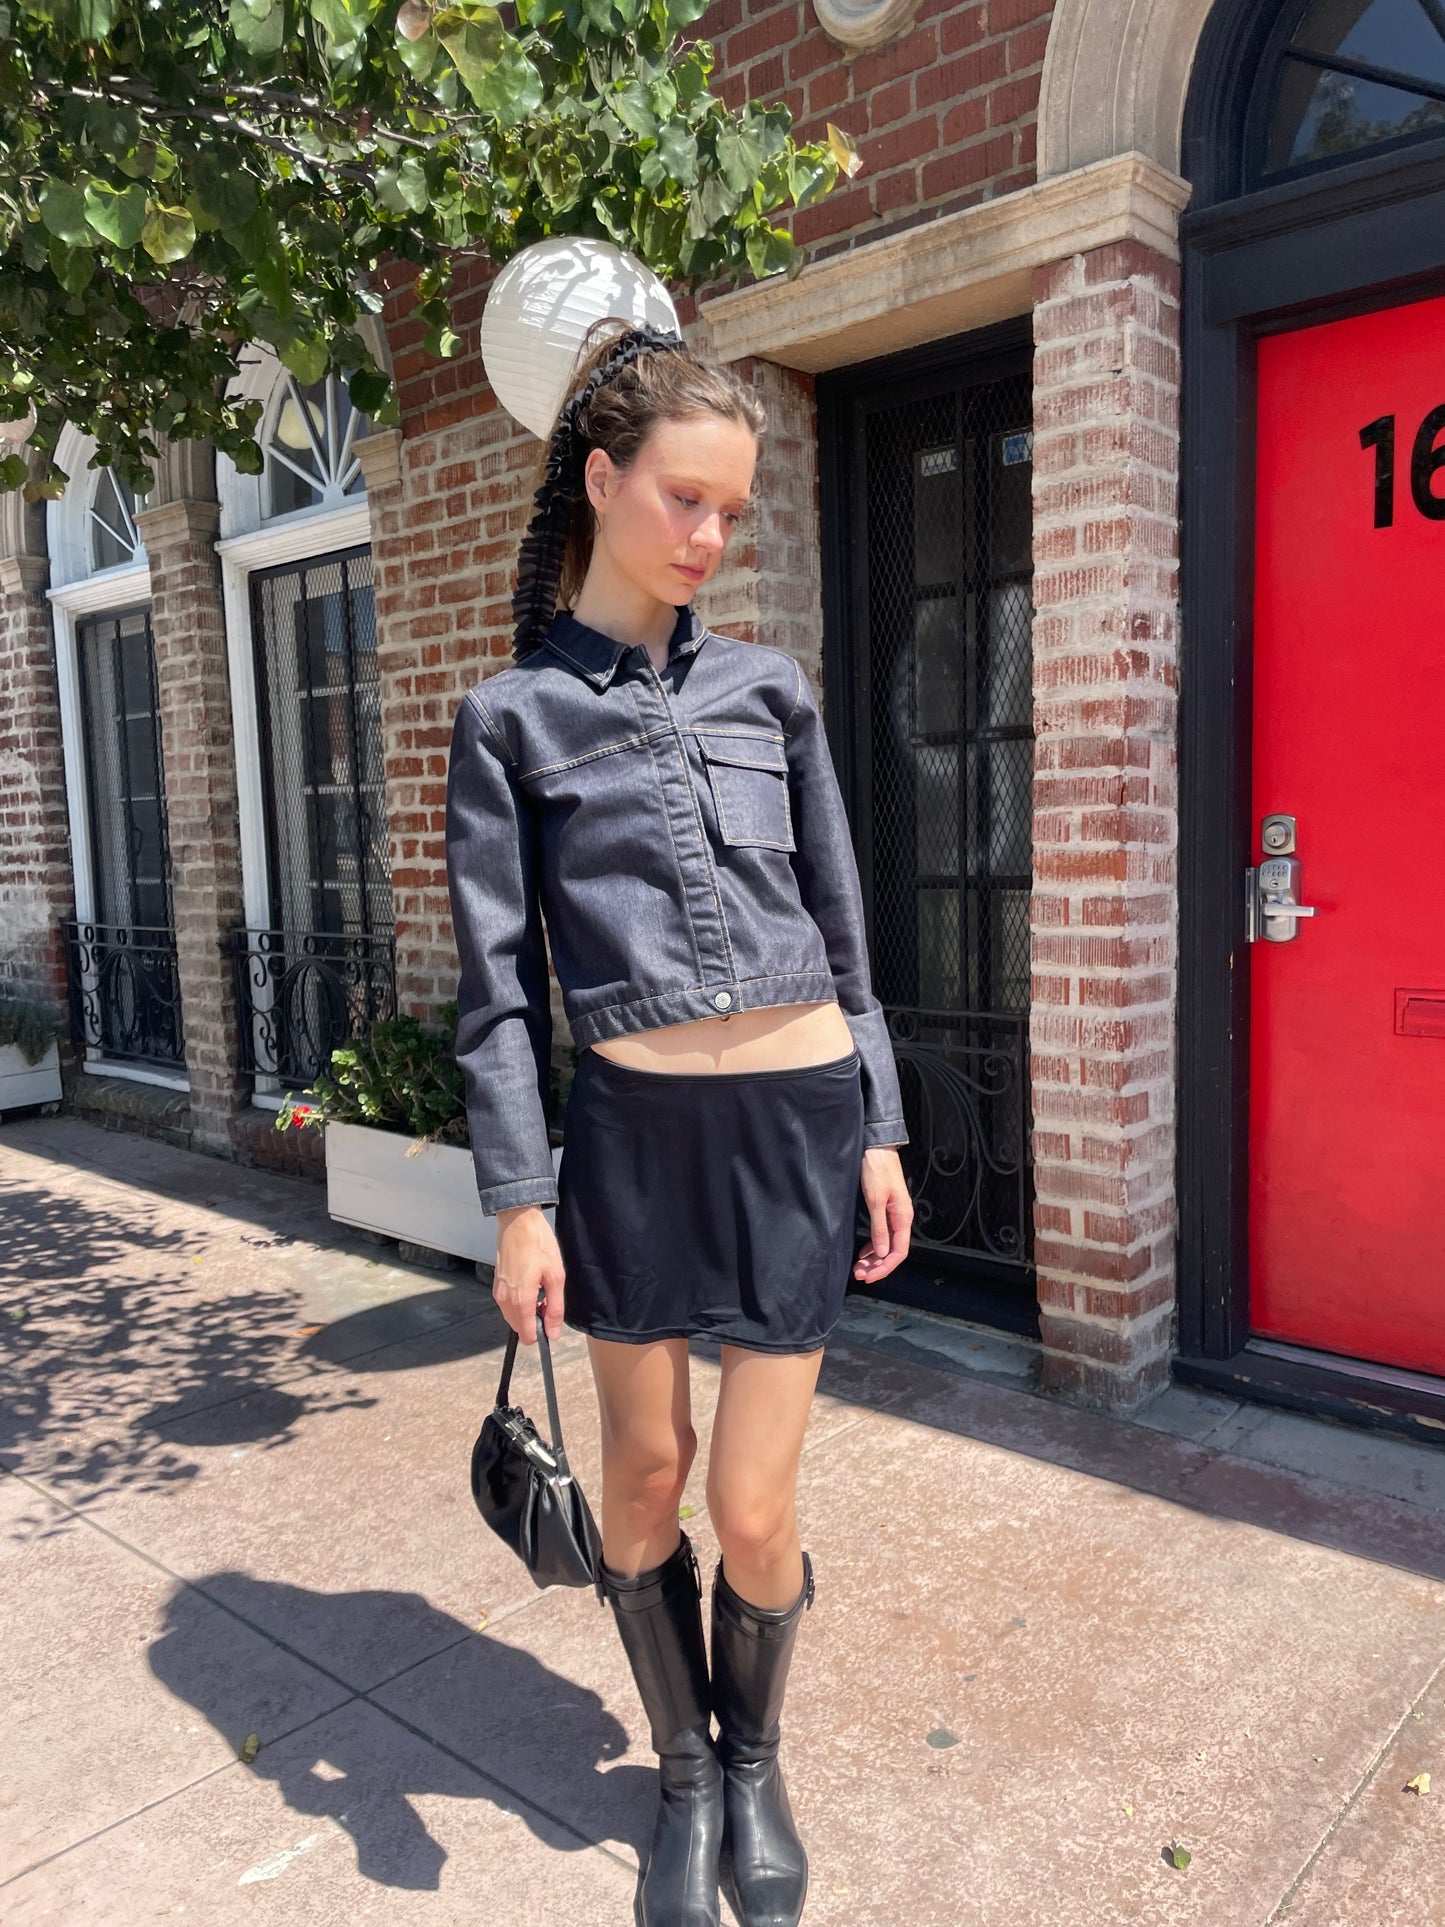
x=723 y=999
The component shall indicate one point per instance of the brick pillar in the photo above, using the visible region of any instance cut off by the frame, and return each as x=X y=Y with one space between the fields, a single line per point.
x=435 y=595
x=201 y=808
x=37 y=887
x=770 y=586
x=1104 y=912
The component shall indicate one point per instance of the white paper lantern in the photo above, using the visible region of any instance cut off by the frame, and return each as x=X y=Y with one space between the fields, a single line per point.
x=542 y=304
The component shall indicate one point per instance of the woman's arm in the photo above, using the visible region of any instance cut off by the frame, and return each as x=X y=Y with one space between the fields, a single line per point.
x=504 y=1009
x=827 y=872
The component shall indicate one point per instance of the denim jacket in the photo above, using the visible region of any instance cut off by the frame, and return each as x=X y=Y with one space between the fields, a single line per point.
x=684 y=836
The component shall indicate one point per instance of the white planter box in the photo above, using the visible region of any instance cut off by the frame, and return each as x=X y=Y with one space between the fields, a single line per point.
x=22 y=1083
x=430 y=1199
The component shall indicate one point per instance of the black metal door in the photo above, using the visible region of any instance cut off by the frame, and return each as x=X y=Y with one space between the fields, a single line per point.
x=929 y=696
x=325 y=969
x=124 y=987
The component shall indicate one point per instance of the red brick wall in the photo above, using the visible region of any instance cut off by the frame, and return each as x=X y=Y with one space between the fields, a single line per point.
x=1106 y=381
x=943 y=116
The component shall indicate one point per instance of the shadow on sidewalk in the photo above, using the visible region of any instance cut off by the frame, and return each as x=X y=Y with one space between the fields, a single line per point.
x=125 y=1340
x=360 y=1767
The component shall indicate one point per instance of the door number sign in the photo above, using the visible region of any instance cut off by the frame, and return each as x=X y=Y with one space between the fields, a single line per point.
x=1426 y=456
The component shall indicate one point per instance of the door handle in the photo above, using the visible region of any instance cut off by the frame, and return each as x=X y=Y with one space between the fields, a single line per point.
x=1271 y=906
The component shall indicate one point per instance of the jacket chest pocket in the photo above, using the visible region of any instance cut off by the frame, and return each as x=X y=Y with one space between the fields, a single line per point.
x=748 y=776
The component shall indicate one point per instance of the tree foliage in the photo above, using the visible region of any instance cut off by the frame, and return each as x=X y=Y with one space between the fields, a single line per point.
x=182 y=178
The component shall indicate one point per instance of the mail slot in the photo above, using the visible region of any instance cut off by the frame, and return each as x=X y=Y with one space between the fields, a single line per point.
x=1420 y=1013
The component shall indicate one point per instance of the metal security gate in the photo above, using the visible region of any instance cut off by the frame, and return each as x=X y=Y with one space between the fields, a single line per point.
x=929 y=697
x=325 y=969
x=124 y=986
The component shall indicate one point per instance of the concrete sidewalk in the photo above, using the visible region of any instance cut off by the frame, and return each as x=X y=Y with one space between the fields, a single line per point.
x=1046 y=1645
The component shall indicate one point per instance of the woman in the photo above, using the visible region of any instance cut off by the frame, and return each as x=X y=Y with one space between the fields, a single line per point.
x=665 y=796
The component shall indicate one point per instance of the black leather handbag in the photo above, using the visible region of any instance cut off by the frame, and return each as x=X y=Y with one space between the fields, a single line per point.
x=526 y=1491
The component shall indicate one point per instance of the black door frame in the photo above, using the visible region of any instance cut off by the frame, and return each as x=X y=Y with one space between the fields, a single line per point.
x=1364 y=235
x=981 y=356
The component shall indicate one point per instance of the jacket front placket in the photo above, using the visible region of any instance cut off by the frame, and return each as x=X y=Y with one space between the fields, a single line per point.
x=689 y=838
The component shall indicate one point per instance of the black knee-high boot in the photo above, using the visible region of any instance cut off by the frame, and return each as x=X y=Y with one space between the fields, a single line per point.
x=659 y=1615
x=763 y=1866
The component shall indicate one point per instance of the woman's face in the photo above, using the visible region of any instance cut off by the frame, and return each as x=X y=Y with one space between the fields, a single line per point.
x=664 y=522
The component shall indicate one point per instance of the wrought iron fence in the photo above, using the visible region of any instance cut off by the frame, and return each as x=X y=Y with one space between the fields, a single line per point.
x=965 y=1083
x=125 y=993
x=303 y=994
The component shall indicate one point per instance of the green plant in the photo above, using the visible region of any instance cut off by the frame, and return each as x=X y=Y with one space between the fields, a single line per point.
x=401 y=1077
x=180 y=181
x=32 y=1027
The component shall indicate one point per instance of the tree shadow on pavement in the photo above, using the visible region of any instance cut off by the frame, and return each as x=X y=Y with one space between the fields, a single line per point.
x=537 y=1739
x=128 y=1334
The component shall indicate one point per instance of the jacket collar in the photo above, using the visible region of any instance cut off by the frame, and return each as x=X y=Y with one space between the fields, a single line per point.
x=596 y=656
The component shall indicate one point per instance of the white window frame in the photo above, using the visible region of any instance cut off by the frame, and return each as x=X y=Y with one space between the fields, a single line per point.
x=292 y=538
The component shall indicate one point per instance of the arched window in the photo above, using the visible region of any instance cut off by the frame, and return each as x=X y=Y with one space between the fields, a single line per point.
x=1343 y=78
x=114 y=537
x=310 y=461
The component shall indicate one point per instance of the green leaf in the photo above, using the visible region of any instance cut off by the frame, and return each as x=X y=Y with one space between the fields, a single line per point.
x=740 y=156
x=475 y=38
x=116 y=214
x=632 y=107
x=401 y=187
x=368 y=389
x=513 y=90
x=228 y=195
x=73 y=267
x=344 y=23
x=89 y=20
x=769 y=250
x=259 y=25
x=307 y=357
x=62 y=209
x=169 y=233
x=677 y=149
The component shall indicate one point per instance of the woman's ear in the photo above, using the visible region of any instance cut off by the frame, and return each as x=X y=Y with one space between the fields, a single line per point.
x=597 y=478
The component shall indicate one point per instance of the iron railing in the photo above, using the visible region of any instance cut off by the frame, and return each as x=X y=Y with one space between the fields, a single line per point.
x=125 y=993
x=303 y=994
x=968 y=1160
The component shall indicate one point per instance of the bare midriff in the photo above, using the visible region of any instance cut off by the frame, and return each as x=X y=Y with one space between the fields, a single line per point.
x=780 y=1037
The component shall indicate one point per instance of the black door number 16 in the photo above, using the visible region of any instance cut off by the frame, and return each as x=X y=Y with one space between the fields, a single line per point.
x=1425 y=458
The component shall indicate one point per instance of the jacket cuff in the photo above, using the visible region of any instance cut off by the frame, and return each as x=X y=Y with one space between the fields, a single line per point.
x=501 y=1197
x=888 y=1132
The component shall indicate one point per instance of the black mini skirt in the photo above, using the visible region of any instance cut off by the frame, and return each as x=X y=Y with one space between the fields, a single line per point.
x=711 y=1204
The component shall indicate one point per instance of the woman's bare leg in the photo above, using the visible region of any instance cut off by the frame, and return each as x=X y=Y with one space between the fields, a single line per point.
x=752 y=1473
x=648 y=1446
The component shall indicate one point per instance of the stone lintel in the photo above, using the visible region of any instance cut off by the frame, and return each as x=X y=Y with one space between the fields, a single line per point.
x=947 y=276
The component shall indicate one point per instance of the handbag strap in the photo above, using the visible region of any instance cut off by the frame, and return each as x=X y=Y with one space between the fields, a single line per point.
x=554 y=1413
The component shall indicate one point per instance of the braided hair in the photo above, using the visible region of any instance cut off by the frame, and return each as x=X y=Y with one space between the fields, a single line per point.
x=543 y=547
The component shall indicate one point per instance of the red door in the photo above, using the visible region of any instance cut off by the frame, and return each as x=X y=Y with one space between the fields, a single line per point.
x=1347 y=1090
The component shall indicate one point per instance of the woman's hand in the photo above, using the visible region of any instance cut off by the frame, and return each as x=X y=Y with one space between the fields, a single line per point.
x=890 y=1214
x=528 y=1262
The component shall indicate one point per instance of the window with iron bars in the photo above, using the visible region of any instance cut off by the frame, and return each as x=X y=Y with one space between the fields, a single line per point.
x=930 y=695
x=325 y=969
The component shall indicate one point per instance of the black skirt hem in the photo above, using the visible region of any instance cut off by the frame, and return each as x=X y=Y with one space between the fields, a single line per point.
x=716 y=1338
